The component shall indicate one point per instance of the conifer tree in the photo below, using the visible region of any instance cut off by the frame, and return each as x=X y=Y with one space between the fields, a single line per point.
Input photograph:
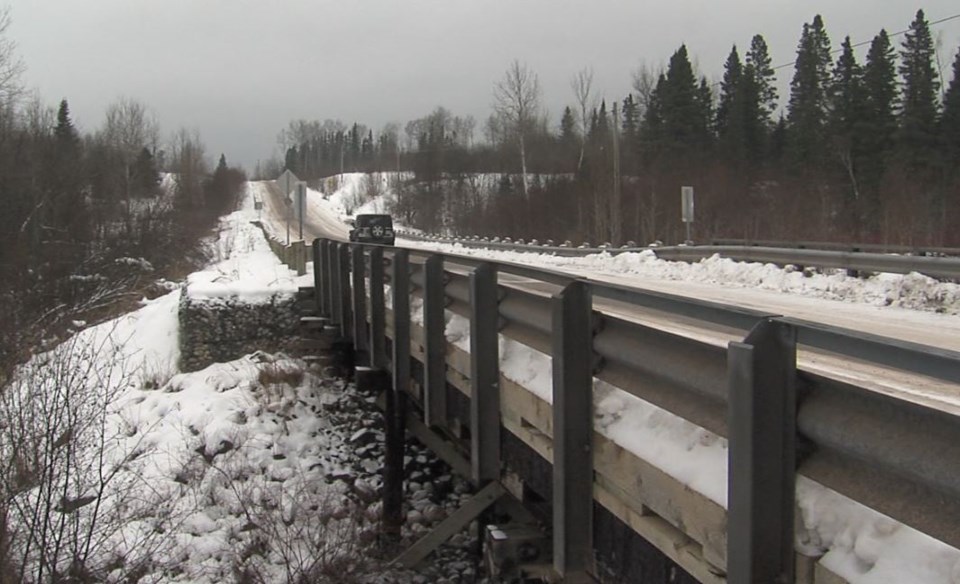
x=846 y=93
x=600 y=125
x=64 y=131
x=777 y=148
x=354 y=147
x=743 y=124
x=652 y=128
x=568 y=133
x=67 y=208
x=880 y=94
x=847 y=114
x=753 y=117
x=876 y=133
x=630 y=134
x=764 y=77
x=366 y=150
x=705 y=113
x=808 y=96
x=144 y=176
x=291 y=161
x=918 y=118
x=683 y=106
x=732 y=72
x=631 y=119
x=950 y=121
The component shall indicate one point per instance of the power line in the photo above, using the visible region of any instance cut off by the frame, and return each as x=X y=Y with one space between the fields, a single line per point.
x=862 y=43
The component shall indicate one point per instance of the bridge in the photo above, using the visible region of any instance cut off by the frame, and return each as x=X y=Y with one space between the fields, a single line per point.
x=770 y=389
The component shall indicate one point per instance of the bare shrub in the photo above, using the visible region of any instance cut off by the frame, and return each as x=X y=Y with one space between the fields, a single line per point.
x=372 y=186
x=300 y=530
x=71 y=508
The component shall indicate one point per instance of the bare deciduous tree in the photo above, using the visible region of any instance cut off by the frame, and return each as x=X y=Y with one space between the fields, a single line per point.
x=129 y=128
x=187 y=161
x=10 y=64
x=582 y=85
x=644 y=83
x=517 y=100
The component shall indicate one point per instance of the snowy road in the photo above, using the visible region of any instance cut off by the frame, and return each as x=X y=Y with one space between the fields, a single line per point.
x=319 y=221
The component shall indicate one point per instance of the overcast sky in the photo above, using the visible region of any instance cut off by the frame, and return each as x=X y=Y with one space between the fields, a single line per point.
x=239 y=70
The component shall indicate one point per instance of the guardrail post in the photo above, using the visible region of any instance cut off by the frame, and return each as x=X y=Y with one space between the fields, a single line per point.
x=378 y=327
x=334 y=279
x=762 y=454
x=300 y=257
x=400 y=289
x=484 y=375
x=360 y=344
x=572 y=431
x=395 y=413
x=318 y=291
x=435 y=345
x=343 y=277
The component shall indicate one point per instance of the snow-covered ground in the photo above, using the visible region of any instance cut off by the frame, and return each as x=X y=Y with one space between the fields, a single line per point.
x=204 y=455
x=244 y=471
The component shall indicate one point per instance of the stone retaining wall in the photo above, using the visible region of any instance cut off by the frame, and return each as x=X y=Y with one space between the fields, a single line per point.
x=220 y=329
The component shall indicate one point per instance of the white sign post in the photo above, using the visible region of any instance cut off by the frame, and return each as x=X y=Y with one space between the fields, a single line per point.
x=288 y=182
x=686 y=201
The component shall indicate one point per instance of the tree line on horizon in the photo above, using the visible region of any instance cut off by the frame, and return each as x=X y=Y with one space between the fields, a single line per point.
x=865 y=152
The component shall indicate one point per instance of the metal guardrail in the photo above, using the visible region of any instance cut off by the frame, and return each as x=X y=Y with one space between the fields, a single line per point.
x=839 y=258
x=915 y=250
x=893 y=455
x=293 y=255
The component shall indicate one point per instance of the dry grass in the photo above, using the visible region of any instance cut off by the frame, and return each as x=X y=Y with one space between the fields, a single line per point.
x=274 y=374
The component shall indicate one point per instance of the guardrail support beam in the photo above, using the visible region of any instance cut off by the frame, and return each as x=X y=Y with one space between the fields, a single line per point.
x=484 y=375
x=762 y=424
x=394 y=417
x=316 y=249
x=333 y=282
x=400 y=289
x=360 y=344
x=343 y=280
x=378 y=325
x=572 y=431
x=396 y=397
x=435 y=371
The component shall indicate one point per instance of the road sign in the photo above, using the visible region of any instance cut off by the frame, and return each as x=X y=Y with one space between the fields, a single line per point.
x=686 y=200
x=287 y=181
x=686 y=194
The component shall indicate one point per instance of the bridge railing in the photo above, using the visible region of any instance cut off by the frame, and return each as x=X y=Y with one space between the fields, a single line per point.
x=781 y=420
x=294 y=255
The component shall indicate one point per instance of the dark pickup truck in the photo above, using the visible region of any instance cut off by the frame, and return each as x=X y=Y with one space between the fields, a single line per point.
x=373 y=229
